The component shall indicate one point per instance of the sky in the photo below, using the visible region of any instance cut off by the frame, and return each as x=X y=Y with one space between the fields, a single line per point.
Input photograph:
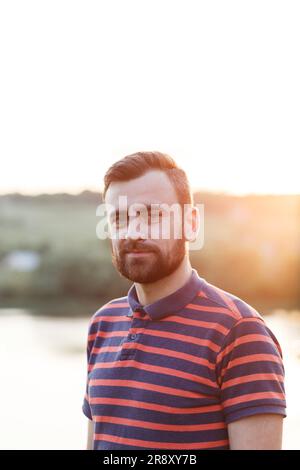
x=213 y=83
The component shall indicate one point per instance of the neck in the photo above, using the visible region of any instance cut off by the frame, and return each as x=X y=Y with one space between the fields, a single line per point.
x=151 y=292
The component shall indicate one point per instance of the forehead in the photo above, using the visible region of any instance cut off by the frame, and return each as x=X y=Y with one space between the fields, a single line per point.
x=154 y=187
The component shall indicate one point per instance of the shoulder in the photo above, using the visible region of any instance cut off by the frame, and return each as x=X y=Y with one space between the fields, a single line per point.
x=237 y=309
x=245 y=324
x=115 y=306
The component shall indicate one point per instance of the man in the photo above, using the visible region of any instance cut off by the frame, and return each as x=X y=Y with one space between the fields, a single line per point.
x=178 y=363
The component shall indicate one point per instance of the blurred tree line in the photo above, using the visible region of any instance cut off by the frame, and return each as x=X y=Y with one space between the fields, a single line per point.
x=251 y=248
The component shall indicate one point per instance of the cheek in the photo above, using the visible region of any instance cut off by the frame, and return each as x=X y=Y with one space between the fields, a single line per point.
x=164 y=248
x=175 y=248
x=114 y=246
x=171 y=227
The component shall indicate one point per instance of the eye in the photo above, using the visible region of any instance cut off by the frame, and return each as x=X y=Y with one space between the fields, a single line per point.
x=119 y=219
x=155 y=216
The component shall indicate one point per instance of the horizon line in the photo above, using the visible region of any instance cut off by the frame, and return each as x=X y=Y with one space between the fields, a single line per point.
x=194 y=191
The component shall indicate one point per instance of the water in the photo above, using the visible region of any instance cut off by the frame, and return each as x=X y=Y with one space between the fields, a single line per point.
x=43 y=370
x=43 y=380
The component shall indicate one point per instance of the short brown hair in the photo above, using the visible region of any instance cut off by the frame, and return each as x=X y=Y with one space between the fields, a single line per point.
x=137 y=164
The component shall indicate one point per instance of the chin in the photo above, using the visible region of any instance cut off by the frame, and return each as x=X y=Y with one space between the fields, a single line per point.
x=143 y=277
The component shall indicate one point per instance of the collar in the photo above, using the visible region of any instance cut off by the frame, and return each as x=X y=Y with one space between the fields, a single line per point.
x=171 y=303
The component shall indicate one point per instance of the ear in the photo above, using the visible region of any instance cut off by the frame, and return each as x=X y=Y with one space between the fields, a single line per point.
x=191 y=222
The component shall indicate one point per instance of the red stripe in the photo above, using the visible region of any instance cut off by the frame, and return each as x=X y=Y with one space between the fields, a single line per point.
x=106 y=349
x=252 y=378
x=202 y=294
x=228 y=301
x=154 y=368
x=243 y=340
x=205 y=308
x=251 y=358
x=111 y=318
x=158 y=334
x=146 y=386
x=142 y=316
x=198 y=323
x=171 y=353
x=107 y=306
x=107 y=334
x=185 y=338
x=253 y=396
x=158 y=426
x=155 y=350
x=160 y=445
x=153 y=406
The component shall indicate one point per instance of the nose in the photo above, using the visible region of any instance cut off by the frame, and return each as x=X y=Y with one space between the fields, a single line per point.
x=136 y=229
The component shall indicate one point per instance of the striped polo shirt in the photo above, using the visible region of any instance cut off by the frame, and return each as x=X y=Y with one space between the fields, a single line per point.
x=174 y=373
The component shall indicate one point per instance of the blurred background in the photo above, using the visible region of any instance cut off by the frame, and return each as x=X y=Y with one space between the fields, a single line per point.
x=215 y=85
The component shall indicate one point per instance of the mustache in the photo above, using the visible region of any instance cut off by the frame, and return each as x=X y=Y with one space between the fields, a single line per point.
x=138 y=246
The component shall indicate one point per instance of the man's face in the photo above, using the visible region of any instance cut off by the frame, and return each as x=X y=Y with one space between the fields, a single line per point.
x=138 y=255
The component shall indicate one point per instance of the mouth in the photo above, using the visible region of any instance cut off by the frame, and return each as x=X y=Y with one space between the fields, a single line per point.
x=137 y=253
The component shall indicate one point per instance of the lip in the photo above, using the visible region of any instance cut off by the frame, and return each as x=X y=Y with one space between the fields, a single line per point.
x=139 y=253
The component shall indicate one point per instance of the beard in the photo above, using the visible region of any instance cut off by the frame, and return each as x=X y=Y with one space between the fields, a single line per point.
x=152 y=266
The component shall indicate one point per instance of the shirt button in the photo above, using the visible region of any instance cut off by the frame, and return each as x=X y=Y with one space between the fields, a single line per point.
x=132 y=336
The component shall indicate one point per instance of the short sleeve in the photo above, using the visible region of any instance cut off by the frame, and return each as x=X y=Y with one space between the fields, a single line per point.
x=250 y=371
x=85 y=405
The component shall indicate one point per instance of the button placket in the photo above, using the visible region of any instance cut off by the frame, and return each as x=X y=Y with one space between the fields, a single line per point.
x=129 y=353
